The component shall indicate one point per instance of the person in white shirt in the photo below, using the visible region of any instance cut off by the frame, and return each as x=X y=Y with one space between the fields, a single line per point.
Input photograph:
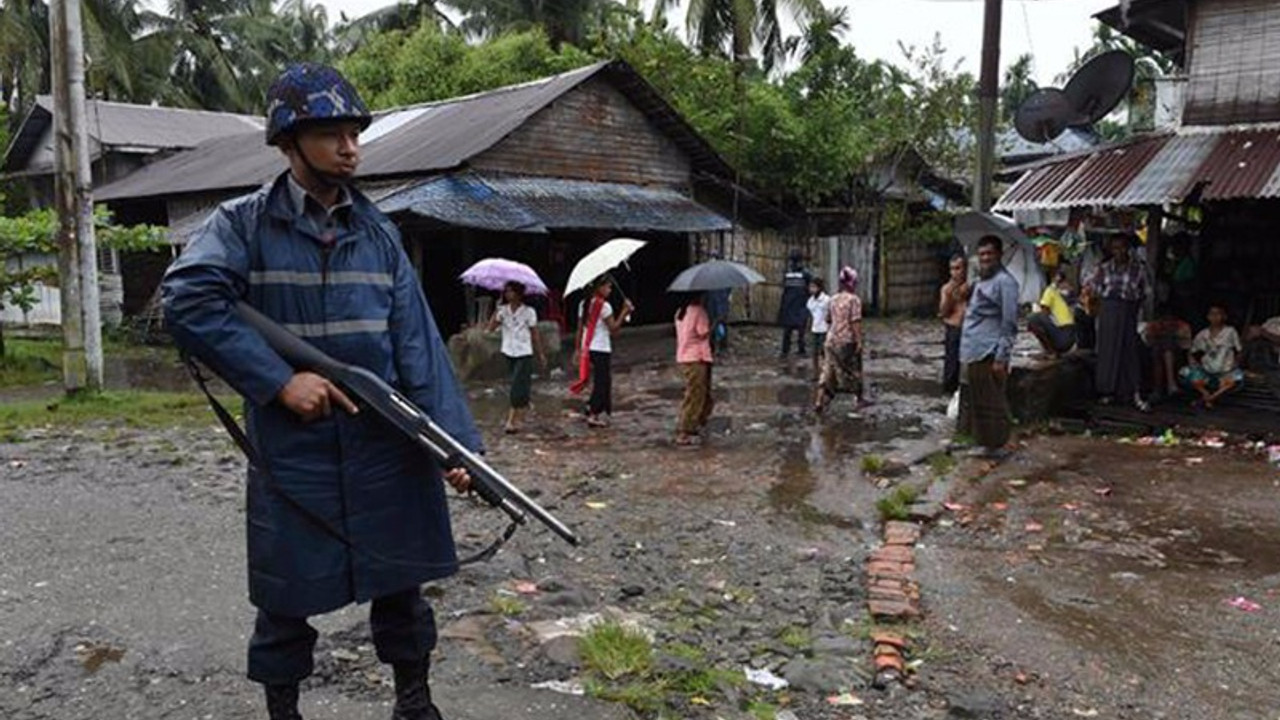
x=1214 y=370
x=818 y=303
x=520 y=340
x=598 y=323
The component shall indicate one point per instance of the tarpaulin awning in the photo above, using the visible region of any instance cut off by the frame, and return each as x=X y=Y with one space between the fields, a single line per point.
x=1218 y=163
x=540 y=205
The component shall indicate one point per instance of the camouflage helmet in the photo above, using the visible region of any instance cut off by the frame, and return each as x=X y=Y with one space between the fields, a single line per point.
x=308 y=92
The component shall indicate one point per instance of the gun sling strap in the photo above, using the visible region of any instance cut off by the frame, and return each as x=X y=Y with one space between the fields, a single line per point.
x=257 y=461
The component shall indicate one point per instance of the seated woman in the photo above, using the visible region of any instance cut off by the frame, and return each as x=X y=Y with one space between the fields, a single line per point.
x=1168 y=337
x=1214 y=370
x=1054 y=324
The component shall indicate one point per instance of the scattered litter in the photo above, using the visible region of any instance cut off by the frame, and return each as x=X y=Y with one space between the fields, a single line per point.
x=578 y=625
x=540 y=451
x=1102 y=491
x=1016 y=483
x=565 y=687
x=1084 y=713
x=844 y=699
x=726 y=523
x=1273 y=454
x=1194 y=461
x=999 y=506
x=1070 y=506
x=699 y=700
x=765 y=678
x=17 y=464
x=701 y=561
x=595 y=505
x=1021 y=678
x=524 y=587
x=344 y=655
x=1244 y=603
x=1033 y=527
x=954 y=507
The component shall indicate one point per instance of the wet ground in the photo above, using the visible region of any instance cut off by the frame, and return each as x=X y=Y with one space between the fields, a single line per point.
x=122 y=581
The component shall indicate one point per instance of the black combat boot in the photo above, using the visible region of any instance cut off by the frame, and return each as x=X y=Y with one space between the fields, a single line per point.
x=282 y=702
x=413 y=693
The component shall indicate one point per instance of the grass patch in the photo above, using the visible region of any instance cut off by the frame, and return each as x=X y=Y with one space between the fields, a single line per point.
x=872 y=464
x=897 y=504
x=128 y=408
x=506 y=606
x=30 y=362
x=940 y=464
x=795 y=637
x=762 y=710
x=621 y=666
x=615 y=651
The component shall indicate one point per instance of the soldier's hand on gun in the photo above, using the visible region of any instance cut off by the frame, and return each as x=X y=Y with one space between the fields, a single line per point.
x=459 y=479
x=311 y=397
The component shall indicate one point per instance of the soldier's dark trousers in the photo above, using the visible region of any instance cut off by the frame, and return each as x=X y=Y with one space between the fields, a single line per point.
x=281 y=651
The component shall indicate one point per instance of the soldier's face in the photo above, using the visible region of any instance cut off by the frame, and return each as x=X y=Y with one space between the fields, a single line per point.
x=332 y=148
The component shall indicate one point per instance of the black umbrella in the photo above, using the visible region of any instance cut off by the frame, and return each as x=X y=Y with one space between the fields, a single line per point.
x=714 y=275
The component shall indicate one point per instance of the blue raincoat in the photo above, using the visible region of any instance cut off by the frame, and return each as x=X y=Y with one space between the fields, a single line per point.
x=359 y=300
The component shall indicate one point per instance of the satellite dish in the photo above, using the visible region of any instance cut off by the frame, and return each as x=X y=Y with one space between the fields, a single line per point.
x=1096 y=88
x=1044 y=115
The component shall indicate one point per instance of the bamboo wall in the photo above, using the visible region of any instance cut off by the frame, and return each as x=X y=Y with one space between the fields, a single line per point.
x=911 y=274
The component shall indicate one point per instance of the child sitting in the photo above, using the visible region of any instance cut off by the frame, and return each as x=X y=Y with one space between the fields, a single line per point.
x=1214 y=371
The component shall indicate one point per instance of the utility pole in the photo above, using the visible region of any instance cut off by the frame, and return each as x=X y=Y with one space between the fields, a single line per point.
x=73 y=190
x=988 y=94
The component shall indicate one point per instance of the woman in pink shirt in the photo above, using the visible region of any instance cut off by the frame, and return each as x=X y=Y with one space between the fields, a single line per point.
x=693 y=354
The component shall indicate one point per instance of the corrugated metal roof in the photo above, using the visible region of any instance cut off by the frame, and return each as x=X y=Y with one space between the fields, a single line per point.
x=420 y=139
x=1240 y=166
x=1164 y=179
x=139 y=128
x=1105 y=174
x=1039 y=185
x=539 y=205
x=1225 y=163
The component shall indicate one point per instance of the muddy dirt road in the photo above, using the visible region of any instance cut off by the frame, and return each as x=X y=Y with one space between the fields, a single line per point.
x=122 y=580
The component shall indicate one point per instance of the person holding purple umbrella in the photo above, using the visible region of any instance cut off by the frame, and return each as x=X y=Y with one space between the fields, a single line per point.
x=520 y=341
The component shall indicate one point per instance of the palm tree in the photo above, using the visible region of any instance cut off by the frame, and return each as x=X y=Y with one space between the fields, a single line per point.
x=1017 y=86
x=823 y=33
x=564 y=21
x=24 y=52
x=739 y=25
x=405 y=16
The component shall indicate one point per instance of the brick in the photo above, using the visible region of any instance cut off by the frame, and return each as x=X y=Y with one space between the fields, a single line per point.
x=894 y=570
x=893 y=553
x=882 y=637
x=892 y=609
x=897 y=532
x=889 y=662
x=890 y=594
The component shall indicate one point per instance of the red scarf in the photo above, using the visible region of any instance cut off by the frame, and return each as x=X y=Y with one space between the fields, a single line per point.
x=584 y=352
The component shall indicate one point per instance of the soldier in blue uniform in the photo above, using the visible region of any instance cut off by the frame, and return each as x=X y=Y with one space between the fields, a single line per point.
x=340 y=508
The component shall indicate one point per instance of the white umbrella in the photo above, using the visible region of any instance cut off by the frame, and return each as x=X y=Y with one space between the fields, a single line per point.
x=600 y=261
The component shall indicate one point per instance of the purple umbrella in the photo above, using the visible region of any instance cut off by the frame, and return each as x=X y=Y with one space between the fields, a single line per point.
x=494 y=273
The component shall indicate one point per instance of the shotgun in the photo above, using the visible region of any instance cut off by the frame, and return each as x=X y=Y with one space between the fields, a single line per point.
x=406 y=417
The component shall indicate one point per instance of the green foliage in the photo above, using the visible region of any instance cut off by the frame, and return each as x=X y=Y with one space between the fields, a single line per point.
x=897 y=504
x=136 y=409
x=872 y=464
x=899 y=224
x=506 y=606
x=27 y=363
x=615 y=651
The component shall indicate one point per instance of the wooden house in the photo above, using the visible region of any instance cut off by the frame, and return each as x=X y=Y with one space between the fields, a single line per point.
x=122 y=138
x=541 y=172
